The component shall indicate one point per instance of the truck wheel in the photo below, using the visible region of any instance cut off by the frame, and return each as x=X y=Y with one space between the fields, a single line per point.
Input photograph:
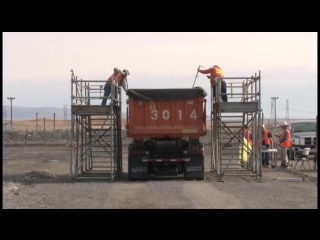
x=129 y=177
x=186 y=178
x=201 y=179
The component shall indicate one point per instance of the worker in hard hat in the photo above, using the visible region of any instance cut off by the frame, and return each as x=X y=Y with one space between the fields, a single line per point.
x=266 y=140
x=120 y=79
x=285 y=143
x=216 y=72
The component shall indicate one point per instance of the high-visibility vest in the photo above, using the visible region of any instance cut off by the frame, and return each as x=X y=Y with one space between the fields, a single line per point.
x=266 y=138
x=219 y=72
x=287 y=142
x=116 y=77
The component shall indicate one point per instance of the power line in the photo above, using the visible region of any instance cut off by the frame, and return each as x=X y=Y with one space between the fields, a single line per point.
x=297 y=110
x=301 y=111
x=302 y=105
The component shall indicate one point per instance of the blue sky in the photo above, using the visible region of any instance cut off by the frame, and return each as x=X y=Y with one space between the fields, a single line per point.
x=36 y=65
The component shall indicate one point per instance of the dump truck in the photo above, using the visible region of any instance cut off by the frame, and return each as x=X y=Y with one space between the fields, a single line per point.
x=165 y=126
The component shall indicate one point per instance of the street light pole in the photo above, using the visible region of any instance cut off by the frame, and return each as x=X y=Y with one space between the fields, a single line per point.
x=275 y=110
x=11 y=98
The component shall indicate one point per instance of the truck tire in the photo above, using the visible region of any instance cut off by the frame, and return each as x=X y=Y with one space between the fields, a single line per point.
x=201 y=178
x=186 y=178
x=189 y=179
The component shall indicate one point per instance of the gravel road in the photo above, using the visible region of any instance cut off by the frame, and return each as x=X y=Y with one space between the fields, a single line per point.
x=37 y=177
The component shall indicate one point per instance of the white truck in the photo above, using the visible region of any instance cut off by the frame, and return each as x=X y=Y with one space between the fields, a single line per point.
x=303 y=135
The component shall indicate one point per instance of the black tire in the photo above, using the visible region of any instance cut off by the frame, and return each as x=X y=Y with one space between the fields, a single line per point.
x=129 y=176
x=188 y=179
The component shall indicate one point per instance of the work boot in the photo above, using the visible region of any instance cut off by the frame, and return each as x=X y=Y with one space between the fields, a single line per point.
x=287 y=165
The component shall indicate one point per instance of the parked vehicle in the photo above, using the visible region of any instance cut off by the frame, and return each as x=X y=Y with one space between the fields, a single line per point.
x=303 y=135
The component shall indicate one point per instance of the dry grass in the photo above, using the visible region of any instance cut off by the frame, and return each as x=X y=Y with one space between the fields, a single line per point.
x=31 y=124
x=59 y=124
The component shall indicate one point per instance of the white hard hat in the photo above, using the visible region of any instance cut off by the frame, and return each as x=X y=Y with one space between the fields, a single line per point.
x=127 y=71
x=284 y=124
x=263 y=125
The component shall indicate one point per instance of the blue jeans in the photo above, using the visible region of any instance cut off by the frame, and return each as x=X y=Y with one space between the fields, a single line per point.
x=223 y=90
x=107 y=91
x=265 y=159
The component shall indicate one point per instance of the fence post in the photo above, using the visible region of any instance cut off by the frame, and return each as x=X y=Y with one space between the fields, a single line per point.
x=25 y=138
x=54 y=122
x=44 y=129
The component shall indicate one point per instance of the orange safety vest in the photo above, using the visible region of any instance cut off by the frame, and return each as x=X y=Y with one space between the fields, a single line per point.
x=218 y=71
x=266 y=138
x=116 y=77
x=247 y=136
x=287 y=142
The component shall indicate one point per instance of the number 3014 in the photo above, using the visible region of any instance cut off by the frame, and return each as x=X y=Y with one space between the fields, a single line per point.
x=166 y=114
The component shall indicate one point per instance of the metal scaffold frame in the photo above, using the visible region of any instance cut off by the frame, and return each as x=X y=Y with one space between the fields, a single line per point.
x=230 y=153
x=96 y=139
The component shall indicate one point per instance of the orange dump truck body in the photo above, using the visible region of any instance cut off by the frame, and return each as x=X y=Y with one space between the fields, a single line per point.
x=173 y=113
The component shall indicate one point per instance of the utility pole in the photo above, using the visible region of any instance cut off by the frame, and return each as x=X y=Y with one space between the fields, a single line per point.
x=54 y=121
x=11 y=98
x=65 y=109
x=36 y=122
x=287 y=109
x=275 y=109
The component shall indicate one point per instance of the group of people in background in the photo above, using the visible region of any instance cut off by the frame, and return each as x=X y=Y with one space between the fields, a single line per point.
x=247 y=143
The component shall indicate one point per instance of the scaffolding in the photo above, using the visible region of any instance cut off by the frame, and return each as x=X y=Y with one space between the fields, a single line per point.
x=228 y=120
x=96 y=142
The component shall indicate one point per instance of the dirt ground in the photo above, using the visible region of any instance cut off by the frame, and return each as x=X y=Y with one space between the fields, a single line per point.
x=37 y=177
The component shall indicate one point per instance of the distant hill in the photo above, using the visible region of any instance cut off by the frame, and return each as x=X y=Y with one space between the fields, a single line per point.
x=28 y=113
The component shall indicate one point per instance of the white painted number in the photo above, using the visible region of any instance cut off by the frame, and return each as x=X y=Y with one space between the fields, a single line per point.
x=155 y=114
x=193 y=115
x=166 y=114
